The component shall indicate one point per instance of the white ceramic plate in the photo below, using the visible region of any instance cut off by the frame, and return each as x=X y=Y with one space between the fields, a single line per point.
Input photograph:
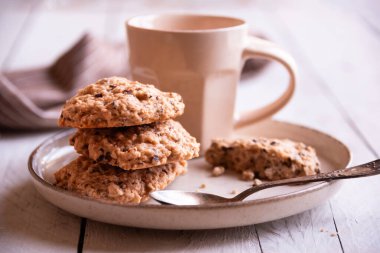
x=267 y=205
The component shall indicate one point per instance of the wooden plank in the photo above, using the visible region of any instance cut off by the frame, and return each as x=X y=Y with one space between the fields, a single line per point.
x=29 y=223
x=13 y=15
x=300 y=233
x=311 y=112
x=349 y=73
x=55 y=28
x=349 y=202
x=366 y=10
x=346 y=73
x=105 y=238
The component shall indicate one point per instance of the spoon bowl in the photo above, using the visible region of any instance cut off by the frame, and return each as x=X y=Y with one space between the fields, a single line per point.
x=173 y=197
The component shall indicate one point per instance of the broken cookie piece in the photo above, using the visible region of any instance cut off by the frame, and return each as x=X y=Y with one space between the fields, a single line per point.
x=270 y=159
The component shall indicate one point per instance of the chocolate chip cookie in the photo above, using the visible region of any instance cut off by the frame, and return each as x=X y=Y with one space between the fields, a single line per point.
x=270 y=159
x=119 y=102
x=112 y=184
x=137 y=147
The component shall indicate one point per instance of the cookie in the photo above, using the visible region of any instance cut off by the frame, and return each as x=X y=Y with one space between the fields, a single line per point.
x=270 y=159
x=137 y=147
x=112 y=184
x=119 y=102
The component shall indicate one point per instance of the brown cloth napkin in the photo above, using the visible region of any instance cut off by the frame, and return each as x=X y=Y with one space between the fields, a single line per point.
x=32 y=99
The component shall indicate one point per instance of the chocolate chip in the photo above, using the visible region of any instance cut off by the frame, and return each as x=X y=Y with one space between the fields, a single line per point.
x=127 y=91
x=273 y=143
x=224 y=149
x=155 y=158
x=99 y=95
x=288 y=163
x=112 y=86
x=100 y=158
x=108 y=156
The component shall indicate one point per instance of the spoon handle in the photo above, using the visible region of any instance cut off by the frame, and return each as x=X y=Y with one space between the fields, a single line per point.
x=364 y=170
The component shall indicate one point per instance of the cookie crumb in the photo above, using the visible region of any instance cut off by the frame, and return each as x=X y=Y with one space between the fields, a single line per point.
x=257 y=182
x=248 y=175
x=202 y=186
x=114 y=191
x=321 y=230
x=333 y=234
x=217 y=171
x=234 y=192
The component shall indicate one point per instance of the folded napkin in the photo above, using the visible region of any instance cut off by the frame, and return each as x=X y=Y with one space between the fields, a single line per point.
x=32 y=99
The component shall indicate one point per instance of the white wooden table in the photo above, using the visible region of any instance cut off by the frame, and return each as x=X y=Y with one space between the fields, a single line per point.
x=337 y=47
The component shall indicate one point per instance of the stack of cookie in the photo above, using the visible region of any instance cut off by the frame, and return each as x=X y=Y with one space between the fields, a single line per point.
x=128 y=141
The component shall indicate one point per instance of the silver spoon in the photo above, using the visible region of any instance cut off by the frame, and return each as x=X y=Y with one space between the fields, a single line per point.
x=173 y=197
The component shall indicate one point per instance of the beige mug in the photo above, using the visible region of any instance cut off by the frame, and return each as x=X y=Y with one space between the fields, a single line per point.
x=201 y=58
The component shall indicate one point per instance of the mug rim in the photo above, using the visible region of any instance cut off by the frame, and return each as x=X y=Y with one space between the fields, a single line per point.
x=130 y=23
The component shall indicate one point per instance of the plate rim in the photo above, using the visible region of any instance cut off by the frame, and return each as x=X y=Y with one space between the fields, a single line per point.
x=284 y=196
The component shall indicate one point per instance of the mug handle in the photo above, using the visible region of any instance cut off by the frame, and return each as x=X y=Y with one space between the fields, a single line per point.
x=259 y=48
